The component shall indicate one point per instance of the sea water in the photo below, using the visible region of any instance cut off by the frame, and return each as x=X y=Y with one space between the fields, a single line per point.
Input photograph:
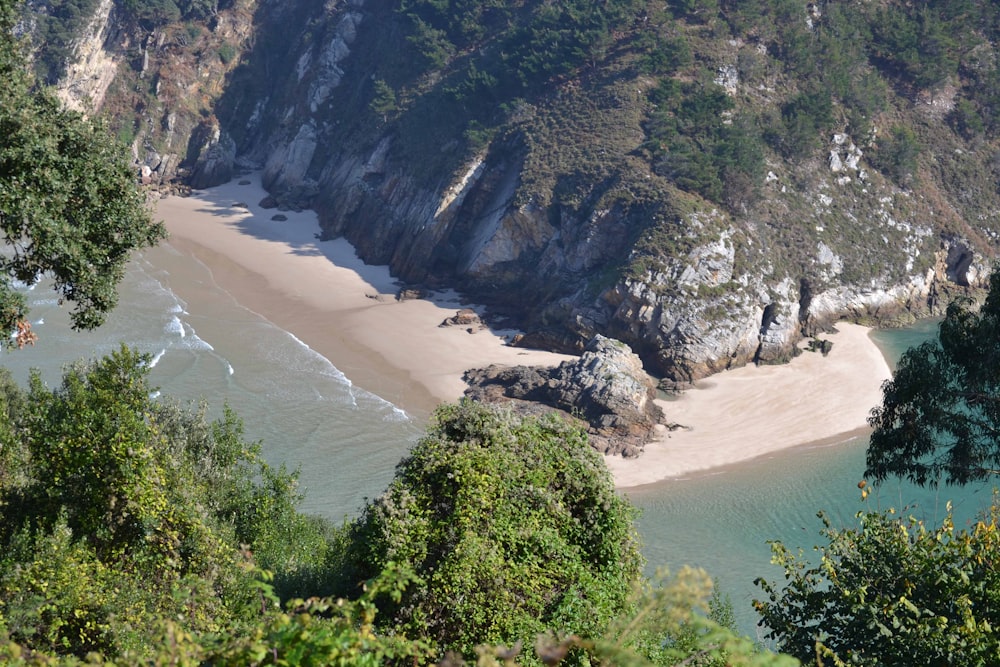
x=346 y=442
x=204 y=346
x=724 y=520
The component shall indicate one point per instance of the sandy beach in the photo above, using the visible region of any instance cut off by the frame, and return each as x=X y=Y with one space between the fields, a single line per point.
x=336 y=304
x=347 y=311
x=752 y=411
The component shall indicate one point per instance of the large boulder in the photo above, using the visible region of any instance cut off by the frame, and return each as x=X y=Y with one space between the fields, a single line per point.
x=606 y=387
x=214 y=153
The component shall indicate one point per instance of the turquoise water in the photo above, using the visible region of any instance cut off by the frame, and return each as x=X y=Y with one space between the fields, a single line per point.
x=722 y=520
x=346 y=441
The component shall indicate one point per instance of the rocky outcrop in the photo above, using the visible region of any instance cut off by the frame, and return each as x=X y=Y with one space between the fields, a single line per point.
x=702 y=330
x=606 y=387
x=214 y=154
x=465 y=317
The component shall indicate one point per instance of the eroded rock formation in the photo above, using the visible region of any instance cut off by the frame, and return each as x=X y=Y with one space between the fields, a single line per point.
x=606 y=387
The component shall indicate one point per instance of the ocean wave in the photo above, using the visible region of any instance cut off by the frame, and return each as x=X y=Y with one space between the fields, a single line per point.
x=393 y=413
x=175 y=326
x=194 y=342
x=329 y=369
x=156 y=358
x=396 y=414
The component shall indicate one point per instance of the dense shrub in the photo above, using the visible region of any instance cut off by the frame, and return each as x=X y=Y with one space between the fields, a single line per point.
x=514 y=527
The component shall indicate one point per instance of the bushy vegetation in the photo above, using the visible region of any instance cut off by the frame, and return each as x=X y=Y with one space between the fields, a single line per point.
x=514 y=527
x=119 y=512
x=835 y=56
x=891 y=591
x=154 y=13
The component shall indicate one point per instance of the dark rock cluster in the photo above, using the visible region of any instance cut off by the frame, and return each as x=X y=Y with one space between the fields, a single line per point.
x=606 y=387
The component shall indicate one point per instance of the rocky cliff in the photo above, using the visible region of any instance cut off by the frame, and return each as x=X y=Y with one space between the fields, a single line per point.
x=555 y=196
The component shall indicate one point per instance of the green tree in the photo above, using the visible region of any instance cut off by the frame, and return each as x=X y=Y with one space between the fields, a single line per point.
x=896 y=155
x=890 y=591
x=70 y=208
x=431 y=43
x=384 y=101
x=513 y=525
x=118 y=512
x=940 y=414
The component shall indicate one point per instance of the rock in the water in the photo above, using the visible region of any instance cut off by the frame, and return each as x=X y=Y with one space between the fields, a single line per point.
x=278 y=217
x=606 y=387
x=268 y=202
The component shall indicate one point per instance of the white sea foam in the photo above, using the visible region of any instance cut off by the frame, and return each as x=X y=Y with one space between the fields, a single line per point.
x=397 y=414
x=156 y=358
x=175 y=326
x=329 y=369
x=194 y=342
x=393 y=413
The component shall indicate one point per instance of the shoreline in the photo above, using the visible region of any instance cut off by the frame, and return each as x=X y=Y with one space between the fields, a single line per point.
x=753 y=411
x=347 y=311
x=333 y=302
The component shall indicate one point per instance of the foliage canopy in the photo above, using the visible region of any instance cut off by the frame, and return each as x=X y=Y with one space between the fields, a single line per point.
x=891 y=591
x=118 y=512
x=70 y=208
x=940 y=413
x=512 y=523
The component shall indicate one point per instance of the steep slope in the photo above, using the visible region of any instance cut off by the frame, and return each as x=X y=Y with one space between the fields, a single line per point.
x=707 y=181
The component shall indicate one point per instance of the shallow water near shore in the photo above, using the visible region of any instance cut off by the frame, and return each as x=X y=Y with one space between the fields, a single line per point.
x=206 y=346
x=346 y=441
x=722 y=520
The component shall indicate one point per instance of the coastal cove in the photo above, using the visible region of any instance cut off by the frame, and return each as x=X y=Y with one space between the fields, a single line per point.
x=337 y=378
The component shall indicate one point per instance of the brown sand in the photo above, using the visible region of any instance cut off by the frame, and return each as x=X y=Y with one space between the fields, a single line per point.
x=347 y=311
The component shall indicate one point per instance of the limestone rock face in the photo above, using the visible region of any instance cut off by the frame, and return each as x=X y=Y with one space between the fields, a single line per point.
x=286 y=169
x=89 y=75
x=215 y=155
x=606 y=387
